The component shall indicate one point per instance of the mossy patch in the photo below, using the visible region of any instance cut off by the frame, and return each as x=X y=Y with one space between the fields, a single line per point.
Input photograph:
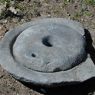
x=5 y=1
x=90 y=2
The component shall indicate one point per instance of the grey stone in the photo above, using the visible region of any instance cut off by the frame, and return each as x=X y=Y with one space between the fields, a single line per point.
x=47 y=52
x=49 y=47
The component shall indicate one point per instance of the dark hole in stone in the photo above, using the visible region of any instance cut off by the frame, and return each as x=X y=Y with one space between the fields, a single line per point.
x=33 y=55
x=46 y=41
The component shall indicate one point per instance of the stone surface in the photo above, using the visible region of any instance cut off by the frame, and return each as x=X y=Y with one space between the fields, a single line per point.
x=49 y=47
x=47 y=52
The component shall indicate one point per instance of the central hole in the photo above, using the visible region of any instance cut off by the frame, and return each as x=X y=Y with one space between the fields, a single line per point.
x=33 y=55
x=46 y=41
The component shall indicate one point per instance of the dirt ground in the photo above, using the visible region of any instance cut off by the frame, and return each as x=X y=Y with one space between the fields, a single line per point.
x=16 y=12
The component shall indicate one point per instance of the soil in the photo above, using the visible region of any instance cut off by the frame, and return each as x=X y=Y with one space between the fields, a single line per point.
x=16 y=12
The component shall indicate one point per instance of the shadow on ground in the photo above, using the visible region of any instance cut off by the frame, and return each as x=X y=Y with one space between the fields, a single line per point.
x=90 y=49
x=84 y=88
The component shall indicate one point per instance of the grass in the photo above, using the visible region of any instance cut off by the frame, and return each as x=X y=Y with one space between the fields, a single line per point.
x=5 y=1
x=90 y=2
x=87 y=13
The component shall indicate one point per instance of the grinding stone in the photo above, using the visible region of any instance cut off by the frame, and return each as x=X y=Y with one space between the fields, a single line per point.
x=47 y=52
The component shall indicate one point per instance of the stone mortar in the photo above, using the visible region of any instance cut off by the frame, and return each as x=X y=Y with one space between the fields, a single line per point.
x=47 y=52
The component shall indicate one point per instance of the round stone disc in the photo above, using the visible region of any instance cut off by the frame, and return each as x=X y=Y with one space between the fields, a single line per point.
x=49 y=47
